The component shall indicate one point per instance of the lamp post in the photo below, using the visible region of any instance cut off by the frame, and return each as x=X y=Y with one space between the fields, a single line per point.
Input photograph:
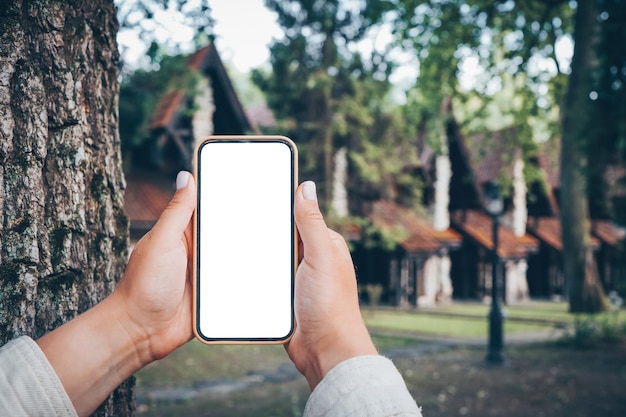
x=495 y=352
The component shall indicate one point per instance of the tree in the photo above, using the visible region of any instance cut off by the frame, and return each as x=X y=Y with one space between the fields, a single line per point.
x=585 y=291
x=330 y=96
x=508 y=38
x=63 y=232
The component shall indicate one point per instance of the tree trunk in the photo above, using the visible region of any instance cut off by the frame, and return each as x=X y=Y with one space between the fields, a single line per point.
x=585 y=290
x=63 y=232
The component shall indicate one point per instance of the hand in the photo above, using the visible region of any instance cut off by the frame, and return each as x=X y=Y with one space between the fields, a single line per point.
x=156 y=290
x=146 y=317
x=329 y=328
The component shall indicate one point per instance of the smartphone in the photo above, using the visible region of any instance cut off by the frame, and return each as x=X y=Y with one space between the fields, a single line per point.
x=245 y=239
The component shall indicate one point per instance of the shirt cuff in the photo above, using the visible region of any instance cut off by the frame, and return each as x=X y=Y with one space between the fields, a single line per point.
x=367 y=386
x=29 y=385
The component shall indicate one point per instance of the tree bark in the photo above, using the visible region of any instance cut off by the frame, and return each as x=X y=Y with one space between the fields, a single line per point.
x=585 y=291
x=63 y=232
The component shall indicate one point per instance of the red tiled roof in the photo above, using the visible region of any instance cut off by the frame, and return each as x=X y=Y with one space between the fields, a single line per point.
x=548 y=230
x=421 y=235
x=146 y=196
x=195 y=60
x=478 y=227
x=166 y=109
x=607 y=232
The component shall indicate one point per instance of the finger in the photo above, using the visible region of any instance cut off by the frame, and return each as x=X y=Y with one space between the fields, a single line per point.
x=310 y=222
x=176 y=217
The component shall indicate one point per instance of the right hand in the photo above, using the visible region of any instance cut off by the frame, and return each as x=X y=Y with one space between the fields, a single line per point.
x=329 y=326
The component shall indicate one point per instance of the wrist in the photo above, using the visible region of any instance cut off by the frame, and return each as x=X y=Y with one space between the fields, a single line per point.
x=351 y=344
x=92 y=354
x=133 y=340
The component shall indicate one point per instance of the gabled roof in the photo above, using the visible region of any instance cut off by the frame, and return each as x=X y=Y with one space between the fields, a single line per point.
x=549 y=162
x=478 y=227
x=548 y=231
x=421 y=235
x=149 y=192
x=229 y=118
x=464 y=190
x=477 y=160
x=608 y=232
x=166 y=109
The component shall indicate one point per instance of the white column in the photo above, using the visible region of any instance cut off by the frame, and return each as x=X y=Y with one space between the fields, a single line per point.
x=339 y=201
x=516 y=282
x=202 y=121
x=520 y=211
x=445 y=280
x=441 y=216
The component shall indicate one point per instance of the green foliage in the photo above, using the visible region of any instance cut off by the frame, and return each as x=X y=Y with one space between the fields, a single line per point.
x=327 y=95
x=590 y=331
x=504 y=38
x=373 y=236
x=247 y=91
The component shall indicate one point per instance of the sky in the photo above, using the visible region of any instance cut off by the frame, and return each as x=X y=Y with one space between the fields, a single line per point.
x=243 y=39
x=245 y=28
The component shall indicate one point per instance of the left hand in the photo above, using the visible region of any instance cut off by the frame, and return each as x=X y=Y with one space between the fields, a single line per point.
x=156 y=290
x=147 y=316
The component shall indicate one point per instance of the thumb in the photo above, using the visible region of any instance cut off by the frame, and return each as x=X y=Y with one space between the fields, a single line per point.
x=176 y=216
x=310 y=222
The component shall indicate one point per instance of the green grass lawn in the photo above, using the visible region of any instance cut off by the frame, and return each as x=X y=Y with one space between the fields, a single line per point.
x=550 y=311
x=472 y=327
x=469 y=320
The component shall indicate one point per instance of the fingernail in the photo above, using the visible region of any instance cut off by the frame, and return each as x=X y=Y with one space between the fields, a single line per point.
x=309 y=191
x=182 y=179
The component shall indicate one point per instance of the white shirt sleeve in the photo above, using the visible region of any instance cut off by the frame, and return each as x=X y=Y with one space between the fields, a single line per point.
x=364 y=386
x=28 y=384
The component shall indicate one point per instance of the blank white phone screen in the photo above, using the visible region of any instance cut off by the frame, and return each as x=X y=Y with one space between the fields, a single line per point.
x=245 y=240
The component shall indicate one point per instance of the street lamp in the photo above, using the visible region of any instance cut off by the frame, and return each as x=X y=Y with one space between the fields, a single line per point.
x=495 y=352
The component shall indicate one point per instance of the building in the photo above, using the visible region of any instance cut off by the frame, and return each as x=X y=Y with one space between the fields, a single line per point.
x=547 y=279
x=477 y=162
x=416 y=271
x=175 y=132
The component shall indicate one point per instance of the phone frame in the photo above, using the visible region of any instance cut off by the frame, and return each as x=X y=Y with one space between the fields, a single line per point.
x=196 y=224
